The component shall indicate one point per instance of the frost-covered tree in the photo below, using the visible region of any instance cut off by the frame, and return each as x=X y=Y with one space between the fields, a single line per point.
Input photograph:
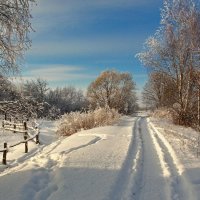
x=34 y=92
x=159 y=91
x=22 y=108
x=36 y=89
x=113 y=89
x=14 y=30
x=170 y=50
x=8 y=91
x=67 y=99
x=14 y=104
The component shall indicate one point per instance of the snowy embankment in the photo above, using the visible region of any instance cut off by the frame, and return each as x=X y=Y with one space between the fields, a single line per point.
x=132 y=160
x=183 y=144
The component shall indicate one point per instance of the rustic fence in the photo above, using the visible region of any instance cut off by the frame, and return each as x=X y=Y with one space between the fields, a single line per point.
x=19 y=128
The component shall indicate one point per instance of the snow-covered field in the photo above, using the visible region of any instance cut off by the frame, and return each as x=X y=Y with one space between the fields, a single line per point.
x=135 y=159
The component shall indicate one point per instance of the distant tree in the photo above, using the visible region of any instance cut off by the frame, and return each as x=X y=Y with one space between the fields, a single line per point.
x=54 y=97
x=8 y=92
x=34 y=92
x=14 y=26
x=113 y=89
x=73 y=98
x=159 y=91
x=66 y=99
x=22 y=108
x=36 y=89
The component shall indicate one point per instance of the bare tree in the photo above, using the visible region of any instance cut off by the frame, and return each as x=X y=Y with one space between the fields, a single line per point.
x=8 y=91
x=14 y=30
x=169 y=50
x=36 y=89
x=159 y=91
x=113 y=89
x=66 y=99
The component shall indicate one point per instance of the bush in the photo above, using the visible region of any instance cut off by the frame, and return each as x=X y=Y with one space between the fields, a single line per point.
x=174 y=115
x=77 y=121
x=164 y=113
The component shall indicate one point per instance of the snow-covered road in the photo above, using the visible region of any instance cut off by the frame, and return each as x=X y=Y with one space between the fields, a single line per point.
x=128 y=161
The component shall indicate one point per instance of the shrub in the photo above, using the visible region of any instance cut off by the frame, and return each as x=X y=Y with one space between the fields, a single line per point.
x=77 y=121
x=164 y=113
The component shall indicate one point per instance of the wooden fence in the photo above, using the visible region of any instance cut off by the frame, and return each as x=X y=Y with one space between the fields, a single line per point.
x=19 y=128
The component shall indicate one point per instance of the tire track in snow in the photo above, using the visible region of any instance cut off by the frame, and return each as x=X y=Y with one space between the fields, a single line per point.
x=178 y=185
x=152 y=183
x=128 y=182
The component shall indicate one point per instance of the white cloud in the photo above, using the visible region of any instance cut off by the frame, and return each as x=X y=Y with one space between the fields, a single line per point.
x=54 y=69
x=54 y=73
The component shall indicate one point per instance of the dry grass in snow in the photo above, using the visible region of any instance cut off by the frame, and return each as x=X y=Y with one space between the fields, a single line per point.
x=77 y=121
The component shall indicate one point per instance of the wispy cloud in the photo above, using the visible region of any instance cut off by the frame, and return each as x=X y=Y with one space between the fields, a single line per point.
x=54 y=73
x=54 y=69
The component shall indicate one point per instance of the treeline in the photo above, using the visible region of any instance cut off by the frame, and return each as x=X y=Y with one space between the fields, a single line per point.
x=172 y=56
x=35 y=98
x=56 y=101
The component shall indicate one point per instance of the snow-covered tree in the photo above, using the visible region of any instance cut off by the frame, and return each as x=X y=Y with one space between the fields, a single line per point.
x=8 y=91
x=170 y=50
x=14 y=27
x=159 y=91
x=66 y=99
x=113 y=89
x=36 y=89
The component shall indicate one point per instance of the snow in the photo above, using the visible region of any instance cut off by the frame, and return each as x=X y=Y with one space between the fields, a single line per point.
x=182 y=146
x=133 y=159
x=16 y=154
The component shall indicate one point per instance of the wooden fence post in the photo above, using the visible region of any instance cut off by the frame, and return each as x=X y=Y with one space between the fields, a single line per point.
x=25 y=126
x=25 y=142
x=3 y=124
x=37 y=136
x=14 y=128
x=4 y=154
x=25 y=137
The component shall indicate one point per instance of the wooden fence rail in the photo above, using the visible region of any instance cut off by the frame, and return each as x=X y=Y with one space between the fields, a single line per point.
x=12 y=126
x=27 y=137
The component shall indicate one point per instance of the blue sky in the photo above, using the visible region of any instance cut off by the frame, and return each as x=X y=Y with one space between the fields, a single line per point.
x=75 y=40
